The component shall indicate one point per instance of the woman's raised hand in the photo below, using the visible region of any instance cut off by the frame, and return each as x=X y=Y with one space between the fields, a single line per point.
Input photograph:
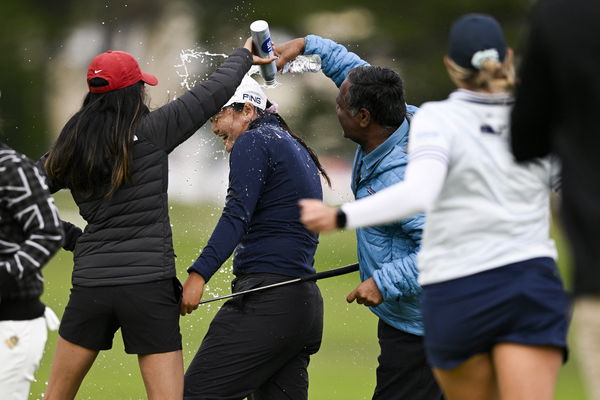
x=256 y=60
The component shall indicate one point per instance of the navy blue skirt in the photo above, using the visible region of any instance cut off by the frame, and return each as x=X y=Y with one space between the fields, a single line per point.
x=522 y=303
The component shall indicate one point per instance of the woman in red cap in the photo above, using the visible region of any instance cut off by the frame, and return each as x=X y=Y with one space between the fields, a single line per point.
x=113 y=157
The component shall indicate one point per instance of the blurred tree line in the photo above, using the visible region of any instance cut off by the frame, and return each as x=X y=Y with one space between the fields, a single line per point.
x=409 y=36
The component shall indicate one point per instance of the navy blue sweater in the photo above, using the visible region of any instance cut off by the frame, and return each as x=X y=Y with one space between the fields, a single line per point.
x=269 y=172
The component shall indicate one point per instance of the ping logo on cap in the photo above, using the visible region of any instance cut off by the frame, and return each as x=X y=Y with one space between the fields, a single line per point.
x=248 y=91
x=254 y=99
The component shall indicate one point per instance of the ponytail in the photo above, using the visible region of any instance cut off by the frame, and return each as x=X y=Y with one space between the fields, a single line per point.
x=493 y=76
x=310 y=151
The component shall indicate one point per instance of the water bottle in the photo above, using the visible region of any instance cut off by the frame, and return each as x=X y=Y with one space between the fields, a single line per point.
x=302 y=63
x=264 y=47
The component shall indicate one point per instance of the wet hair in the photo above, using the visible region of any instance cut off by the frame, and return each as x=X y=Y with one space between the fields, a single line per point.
x=495 y=76
x=92 y=155
x=380 y=91
x=237 y=107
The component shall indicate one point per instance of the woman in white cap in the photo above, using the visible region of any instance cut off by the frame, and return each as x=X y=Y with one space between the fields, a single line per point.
x=495 y=311
x=259 y=344
x=113 y=157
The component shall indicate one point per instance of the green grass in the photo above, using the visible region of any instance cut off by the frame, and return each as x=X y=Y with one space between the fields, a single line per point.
x=344 y=368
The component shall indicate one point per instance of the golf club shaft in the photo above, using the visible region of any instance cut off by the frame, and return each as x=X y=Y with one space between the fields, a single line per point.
x=312 y=277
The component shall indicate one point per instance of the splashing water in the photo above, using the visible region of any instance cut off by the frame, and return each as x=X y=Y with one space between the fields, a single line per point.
x=187 y=56
x=302 y=63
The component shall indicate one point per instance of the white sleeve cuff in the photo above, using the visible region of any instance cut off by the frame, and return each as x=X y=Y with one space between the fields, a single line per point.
x=423 y=182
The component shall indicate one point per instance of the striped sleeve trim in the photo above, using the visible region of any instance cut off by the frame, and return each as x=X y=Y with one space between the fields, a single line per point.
x=431 y=153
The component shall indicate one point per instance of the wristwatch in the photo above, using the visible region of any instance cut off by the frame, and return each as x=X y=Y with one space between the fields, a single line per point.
x=340 y=218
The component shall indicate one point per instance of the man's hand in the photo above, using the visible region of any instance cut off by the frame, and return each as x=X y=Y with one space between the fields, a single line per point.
x=366 y=293
x=317 y=216
x=256 y=60
x=288 y=51
x=193 y=288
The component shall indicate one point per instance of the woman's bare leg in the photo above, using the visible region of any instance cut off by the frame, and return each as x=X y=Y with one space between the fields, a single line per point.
x=472 y=380
x=526 y=372
x=163 y=375
x=70 y=365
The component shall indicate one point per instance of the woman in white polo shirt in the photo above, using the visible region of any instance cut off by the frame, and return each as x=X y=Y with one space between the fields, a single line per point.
x=495 y=311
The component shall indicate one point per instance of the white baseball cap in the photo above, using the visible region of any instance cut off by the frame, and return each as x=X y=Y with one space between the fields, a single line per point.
x=249 y=91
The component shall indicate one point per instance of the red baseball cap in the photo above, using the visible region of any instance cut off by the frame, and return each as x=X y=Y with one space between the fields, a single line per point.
x=119 y=69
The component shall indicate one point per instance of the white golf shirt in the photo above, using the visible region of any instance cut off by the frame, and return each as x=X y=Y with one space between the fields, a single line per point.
x=483 y=209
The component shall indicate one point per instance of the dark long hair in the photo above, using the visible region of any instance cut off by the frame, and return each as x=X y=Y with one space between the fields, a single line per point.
x=238 y=108
x=92 y=155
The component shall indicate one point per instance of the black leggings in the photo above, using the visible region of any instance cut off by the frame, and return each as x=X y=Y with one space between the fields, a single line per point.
x=259 y=344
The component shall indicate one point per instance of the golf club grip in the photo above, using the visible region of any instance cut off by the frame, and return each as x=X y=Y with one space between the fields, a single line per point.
x=332 y=272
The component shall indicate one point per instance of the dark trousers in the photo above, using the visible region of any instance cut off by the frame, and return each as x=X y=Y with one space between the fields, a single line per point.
x=259 y=344
x=403 y=372
x=581 y=219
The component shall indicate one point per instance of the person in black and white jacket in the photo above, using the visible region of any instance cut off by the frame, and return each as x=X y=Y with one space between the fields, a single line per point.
x=30 y=234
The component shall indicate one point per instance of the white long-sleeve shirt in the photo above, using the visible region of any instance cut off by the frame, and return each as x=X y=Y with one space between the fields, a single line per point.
x=483 y=209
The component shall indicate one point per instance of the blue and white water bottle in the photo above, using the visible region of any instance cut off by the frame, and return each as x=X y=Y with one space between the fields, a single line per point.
x=264 y=47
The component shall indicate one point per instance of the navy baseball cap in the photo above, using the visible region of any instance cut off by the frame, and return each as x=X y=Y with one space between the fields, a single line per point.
x=475 y=38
